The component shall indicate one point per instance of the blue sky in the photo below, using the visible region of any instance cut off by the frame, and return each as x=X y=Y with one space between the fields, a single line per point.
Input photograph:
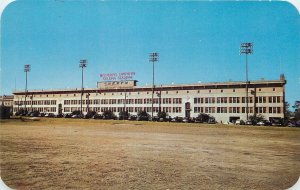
x=197 y=41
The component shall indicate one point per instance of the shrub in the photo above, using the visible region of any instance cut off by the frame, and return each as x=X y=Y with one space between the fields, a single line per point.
x=255 y=119
x=202 y=117
x=162 y=114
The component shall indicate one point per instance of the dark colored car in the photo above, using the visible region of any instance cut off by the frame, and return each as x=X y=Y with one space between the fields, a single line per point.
x=98 y=116
x=187 y=120
x=212 y=121
x=51 y=115
x=67 y=115
x=177 y=119
x=155 y=118
x=132 y=117
x=59 y=115
x=143 y=118
x=42 y=114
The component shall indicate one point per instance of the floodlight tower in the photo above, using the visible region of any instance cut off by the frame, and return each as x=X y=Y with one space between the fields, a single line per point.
x=82 y=65
x=246 y=48
x=153 y=57
x=26 y=70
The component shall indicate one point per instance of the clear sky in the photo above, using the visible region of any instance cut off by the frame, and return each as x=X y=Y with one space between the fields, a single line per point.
x=197 y=41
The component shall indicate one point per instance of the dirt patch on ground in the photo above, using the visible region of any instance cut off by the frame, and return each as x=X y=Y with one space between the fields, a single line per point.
x=95 y=154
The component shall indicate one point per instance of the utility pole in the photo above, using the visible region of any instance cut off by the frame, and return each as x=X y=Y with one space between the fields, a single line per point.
x=26 y=70
x=153 y=57
x=159 y=99
x=82 y=65
x=246 y=48
x=88 y=102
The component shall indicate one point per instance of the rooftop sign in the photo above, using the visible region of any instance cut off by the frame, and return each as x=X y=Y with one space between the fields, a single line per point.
x=117 y=76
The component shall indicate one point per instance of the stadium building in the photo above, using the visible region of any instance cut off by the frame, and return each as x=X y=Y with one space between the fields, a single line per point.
x=226 y=101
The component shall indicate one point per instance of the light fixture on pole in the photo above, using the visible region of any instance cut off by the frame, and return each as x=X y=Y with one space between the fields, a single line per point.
x=82 y=65
x=246 y=48
x=26 y=70
x=153 y=57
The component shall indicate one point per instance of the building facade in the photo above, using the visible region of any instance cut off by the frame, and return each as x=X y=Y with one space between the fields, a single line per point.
x=226 y=101
x=6 y=100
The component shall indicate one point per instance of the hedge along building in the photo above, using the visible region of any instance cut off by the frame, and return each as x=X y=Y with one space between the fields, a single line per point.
x=226 y=101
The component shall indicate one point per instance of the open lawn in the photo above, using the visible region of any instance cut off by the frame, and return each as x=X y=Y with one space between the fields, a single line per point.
x=96 y=154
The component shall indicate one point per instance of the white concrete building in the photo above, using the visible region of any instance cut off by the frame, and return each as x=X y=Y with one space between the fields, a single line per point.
x=226 y=101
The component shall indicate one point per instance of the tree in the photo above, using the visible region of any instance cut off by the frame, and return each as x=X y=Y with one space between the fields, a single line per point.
x=89 y=114
x=202 y=117
x=287 y=112
x=76 y=112
x=257 y=118
x=108 y=114
x=124 y=115
x=162 y=114
x=296 y=106
x=4 y=112
x=143 y=116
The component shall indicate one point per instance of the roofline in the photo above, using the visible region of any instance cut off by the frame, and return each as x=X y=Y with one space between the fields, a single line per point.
x=198 y=86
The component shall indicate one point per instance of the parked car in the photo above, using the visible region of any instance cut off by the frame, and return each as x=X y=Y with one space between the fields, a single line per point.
x=89 y=114
x=98 y=116
x=77 y=116
x=143 y=118
x=42 y=114
x=67 y=115
x=50 y=115
x=132 y=117
x=177 y=119
x=187 y=120
x=248 y=122
x=155 y=118
x=240 y=122
x=212 y=121
x=291 y=124
x=59 y=115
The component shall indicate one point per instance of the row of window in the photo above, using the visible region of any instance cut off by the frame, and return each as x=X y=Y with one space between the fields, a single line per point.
x=125 y=101
x=40 y=109
x=36 y=102
x=129 y=109
x=237 y=110
x=166 y=92
x=260 y=99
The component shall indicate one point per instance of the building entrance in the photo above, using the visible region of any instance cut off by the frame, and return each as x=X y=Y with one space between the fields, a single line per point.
x=188 y=109
x=233 y=119
x=59 y=109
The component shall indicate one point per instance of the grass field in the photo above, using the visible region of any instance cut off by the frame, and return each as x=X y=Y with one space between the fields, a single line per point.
x=95 y=154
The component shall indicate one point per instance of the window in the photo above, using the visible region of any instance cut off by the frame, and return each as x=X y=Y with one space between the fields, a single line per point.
x=278 y=110
x=273 y=89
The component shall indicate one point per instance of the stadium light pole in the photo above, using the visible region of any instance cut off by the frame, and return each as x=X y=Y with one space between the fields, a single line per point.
x=153 y=57
x=82 y=65
x=26 y=70
x=246 y=48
